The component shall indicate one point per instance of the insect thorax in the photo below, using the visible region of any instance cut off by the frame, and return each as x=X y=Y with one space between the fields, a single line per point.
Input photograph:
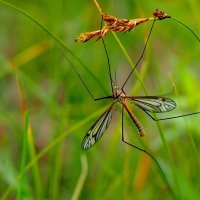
x=118 y=94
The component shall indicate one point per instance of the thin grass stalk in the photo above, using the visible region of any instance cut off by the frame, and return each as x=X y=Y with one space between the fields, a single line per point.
x=35 y=168
x=82 y=178
x=21 y=188
x=98 y=6
x=187 y=27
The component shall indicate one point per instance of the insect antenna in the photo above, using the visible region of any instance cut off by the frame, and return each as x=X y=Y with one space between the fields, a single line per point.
x=140 y=58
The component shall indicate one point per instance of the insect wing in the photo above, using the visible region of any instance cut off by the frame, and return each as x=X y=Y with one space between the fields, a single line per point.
x=97 y=129
x=154 y=104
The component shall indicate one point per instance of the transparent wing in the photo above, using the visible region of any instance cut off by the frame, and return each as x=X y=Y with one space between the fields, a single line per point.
x=97 y=129
x=154 y=104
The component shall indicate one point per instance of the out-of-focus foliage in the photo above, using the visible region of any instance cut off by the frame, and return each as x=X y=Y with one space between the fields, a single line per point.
x=35 y=76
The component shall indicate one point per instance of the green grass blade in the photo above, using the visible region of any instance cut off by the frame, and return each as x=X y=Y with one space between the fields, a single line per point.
x=81 y=179
x=21 y=189
x=35 y=169
x=187 y=27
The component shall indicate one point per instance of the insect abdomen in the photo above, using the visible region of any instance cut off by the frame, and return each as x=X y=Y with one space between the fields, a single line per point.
x=135 y=120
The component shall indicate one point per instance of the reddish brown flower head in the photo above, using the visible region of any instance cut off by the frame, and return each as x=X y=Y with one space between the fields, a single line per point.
x=160 y=15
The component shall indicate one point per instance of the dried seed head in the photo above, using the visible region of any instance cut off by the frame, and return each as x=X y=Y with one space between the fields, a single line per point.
x=103 y=32
x=111 y=23
x=84 y=37
x=109 y=19
x=160 y=15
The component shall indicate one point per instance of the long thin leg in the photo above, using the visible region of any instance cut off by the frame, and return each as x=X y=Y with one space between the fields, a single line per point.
x=81 y=79
x=108 y=60
x=140 y=58
x=79 y=76
x=123 y=140
x=107 y=97
x=109 y=68
x=174 y=117
x=149 y=154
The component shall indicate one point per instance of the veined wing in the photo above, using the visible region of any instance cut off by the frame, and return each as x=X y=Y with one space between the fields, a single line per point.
x=154 y=104
x=98 y=128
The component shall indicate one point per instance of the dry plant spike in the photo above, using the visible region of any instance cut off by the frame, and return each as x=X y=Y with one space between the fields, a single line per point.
x=119 y=25
x=160 y=15
x=113 y=20
x=84 y=37
x=104 y=32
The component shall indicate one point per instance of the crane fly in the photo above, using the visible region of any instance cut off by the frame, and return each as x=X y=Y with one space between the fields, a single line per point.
x=153 y=104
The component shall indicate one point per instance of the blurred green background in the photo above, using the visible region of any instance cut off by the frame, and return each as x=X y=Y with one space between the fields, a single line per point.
x=36 y=77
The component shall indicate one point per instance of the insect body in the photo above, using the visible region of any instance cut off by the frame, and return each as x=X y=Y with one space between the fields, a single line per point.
x=153 y=104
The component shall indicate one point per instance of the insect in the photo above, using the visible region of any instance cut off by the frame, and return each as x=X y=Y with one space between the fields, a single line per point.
x=153 y=104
